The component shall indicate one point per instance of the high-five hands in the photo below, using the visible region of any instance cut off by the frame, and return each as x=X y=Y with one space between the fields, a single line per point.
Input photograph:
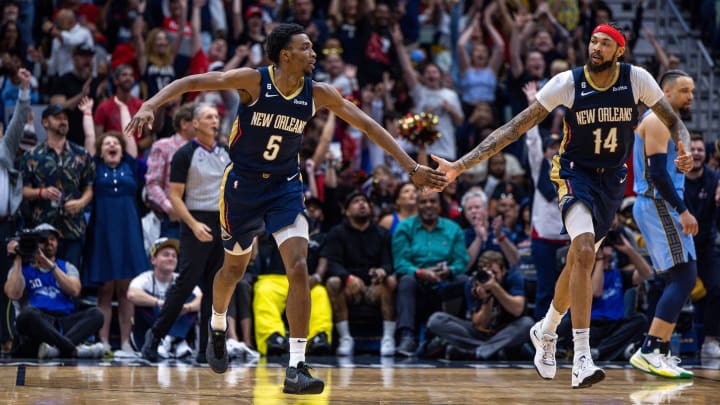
x=450 y=169
x=427 y=178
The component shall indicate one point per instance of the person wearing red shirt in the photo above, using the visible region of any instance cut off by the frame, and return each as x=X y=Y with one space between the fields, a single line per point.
x=107 y=115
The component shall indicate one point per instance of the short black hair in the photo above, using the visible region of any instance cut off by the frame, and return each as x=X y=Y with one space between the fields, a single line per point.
x=668 y=78
x=279 y=39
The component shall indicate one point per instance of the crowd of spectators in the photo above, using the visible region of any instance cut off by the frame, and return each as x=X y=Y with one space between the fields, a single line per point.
x=455 y=274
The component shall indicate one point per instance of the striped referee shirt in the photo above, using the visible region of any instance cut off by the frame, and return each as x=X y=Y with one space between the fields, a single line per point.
x=201 y=170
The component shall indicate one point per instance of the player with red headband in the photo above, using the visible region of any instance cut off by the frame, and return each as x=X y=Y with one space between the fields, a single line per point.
x=589 y=173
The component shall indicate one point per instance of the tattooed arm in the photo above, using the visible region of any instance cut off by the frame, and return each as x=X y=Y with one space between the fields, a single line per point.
x=678 y=132
x=495 y=142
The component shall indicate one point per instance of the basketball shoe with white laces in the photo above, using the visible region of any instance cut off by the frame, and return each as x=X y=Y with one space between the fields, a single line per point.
x=544 y=359
x=674 y=363
x=585 y=373
x=657 y=363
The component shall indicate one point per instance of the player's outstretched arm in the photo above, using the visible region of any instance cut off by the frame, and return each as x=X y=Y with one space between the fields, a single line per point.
x=495 y=142
x=422 y=176
x=243 y=78
x=678 y=132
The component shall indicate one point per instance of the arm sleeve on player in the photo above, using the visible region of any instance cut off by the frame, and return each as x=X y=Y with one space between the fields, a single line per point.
x=656 y=168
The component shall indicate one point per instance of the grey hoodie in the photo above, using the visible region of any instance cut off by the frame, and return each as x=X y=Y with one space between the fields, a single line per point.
x=9 y=145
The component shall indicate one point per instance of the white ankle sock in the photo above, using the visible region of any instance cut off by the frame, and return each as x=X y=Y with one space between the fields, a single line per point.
x=388 y=329
x=343 y=329
x=552 y=320
x=297 y=351
x=218 y=321
x=581 y=341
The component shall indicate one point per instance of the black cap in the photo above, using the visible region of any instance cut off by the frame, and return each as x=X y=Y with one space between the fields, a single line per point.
x=47 y=228
x=54 y=109
x=84 y=49
x=353 y=195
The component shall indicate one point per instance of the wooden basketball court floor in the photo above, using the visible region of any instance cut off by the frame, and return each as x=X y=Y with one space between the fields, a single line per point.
x=365 y=380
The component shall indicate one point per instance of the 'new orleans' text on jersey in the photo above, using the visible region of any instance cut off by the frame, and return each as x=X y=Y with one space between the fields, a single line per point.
x=266 y=138
x=600 y=126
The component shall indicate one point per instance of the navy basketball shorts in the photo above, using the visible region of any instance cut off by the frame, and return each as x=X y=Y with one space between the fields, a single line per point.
x=251 y=204
x=601 y=190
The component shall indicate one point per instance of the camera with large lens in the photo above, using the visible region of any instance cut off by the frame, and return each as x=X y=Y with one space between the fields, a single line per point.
x=28 y=244
x=613 y=238
x=482 y=276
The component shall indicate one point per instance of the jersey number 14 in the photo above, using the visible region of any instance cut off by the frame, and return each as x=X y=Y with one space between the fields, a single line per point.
x=609 y=143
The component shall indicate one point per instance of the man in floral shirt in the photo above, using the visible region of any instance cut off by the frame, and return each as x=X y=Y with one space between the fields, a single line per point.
x=58 y=176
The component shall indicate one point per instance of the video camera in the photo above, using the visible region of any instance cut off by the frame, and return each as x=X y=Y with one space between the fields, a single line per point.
x=28 y=243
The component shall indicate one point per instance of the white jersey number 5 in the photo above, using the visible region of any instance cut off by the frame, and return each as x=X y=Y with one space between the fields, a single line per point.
x=273 y=147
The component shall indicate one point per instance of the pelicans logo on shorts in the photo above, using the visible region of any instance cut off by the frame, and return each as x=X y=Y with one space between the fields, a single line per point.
x=564 y=201
x=224 y=234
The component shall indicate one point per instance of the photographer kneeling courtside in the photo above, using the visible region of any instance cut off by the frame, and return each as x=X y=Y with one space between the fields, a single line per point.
x=495 y=321
x=49 y=324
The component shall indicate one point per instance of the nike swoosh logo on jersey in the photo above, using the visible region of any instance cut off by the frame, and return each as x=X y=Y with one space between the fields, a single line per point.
x=623 y=179
x=270 y=95
x=293 y=176
x=587 y=93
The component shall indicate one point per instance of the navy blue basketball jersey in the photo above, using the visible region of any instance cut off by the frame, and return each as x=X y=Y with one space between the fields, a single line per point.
x=266 y=135
x=600 y=126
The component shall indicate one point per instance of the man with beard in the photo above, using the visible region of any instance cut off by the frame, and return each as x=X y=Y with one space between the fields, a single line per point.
x=58 y=176
x=107 y=115
x=262 y=189
x=430 y=259
x=49 y=324
x=667 y=226
x=589 y=172
x=701 y=198
x=360 y=269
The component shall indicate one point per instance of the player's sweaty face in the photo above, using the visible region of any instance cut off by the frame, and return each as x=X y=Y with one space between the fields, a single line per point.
x=302 y=54
x=602 y=48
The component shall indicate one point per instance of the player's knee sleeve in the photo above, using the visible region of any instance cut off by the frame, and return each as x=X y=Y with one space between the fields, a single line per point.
x=299 y=228
x=578 y=220
x=681 y=282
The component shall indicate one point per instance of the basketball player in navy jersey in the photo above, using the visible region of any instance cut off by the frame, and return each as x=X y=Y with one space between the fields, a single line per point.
x=589 y=172
x=667 y=226
x=262 y=189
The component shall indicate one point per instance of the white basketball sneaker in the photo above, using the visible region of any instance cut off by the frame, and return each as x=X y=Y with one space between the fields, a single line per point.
x=544 y=351
x=387 y=346
x=585 y=373
x=345 y=346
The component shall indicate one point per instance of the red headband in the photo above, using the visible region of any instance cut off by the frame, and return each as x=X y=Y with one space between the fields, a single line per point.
x=612 y=32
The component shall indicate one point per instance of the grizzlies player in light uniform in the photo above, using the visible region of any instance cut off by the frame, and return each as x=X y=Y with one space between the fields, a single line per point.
x=589 y=173
x=262 y=189
x=667 y=226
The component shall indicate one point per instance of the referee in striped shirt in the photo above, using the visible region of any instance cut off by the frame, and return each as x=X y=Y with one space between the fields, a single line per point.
x=195 y=175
